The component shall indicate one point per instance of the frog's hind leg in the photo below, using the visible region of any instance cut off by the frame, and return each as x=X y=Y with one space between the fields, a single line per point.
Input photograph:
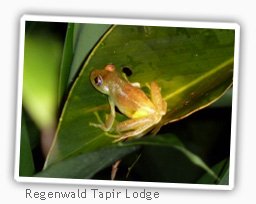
x=136 y=133
x=135 y=127
x=157 y=98
x=133 y=124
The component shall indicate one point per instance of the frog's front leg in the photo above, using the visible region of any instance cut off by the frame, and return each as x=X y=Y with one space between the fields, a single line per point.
x=110 y=118
x=136 y=127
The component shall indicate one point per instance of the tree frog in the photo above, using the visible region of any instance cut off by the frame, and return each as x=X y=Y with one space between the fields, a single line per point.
x=143 y=113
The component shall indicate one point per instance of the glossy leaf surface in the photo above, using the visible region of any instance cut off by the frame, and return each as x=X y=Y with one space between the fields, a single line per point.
x=194 y=67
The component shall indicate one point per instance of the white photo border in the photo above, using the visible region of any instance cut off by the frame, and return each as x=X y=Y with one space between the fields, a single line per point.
x=126 y=21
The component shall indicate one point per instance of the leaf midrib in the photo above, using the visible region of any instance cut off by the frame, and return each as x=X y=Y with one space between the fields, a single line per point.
x=199 y=79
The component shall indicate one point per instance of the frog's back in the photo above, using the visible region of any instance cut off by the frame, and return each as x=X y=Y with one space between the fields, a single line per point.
x=132 y=101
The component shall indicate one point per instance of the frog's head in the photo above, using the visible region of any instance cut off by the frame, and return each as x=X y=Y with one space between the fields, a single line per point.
x=102 y=79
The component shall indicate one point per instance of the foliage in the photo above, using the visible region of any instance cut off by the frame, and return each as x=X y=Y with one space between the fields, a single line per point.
x=193 y=67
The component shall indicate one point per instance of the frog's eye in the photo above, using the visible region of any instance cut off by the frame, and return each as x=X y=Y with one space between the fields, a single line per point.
x=98 y=80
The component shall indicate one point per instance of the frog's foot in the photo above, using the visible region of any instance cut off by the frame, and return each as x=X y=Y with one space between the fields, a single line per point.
x=156 y=97
x=98 y=125
x=112 y=135
x=137 y=127
x=101 y=126
x=104 y=126
x=136 y=133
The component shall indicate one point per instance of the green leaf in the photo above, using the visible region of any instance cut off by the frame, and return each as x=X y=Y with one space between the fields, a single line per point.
x=32 y=130
x=80 y=39
x=224 y=101
x=26 y=167
x=205 y=133
x=85 y=38
x=169 y=140
x=194 y=67
x=42 y=57
x=86 y=165
x=200 y=92
x=67 y=58
x=222 y=170
x=225 y=179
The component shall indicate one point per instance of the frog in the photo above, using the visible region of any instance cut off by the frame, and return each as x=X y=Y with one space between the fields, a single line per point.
x=143 y=112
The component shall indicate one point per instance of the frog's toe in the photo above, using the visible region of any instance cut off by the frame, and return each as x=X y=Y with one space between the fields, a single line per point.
x=96 y=125
x=119 y=139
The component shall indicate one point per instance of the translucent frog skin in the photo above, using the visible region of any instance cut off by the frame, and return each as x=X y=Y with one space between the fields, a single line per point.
x=143 y=113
